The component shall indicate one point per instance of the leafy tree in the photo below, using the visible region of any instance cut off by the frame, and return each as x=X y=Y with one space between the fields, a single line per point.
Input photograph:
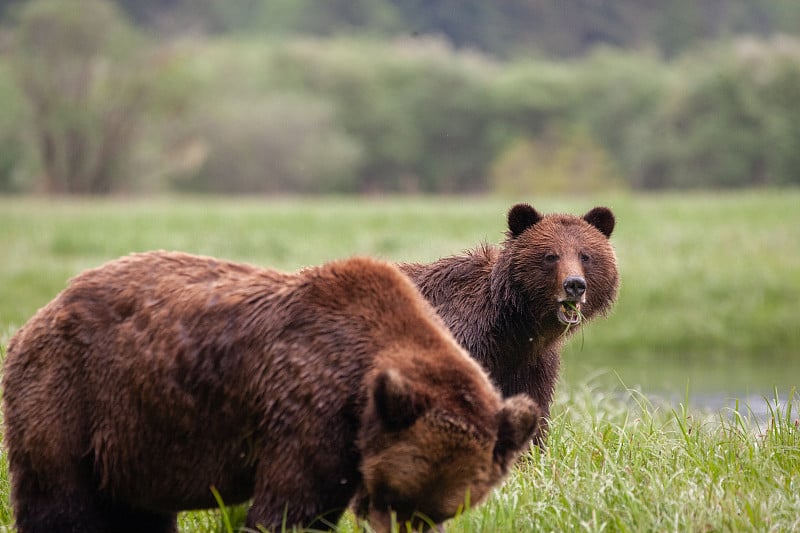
x=14 y=153
x=78 y=70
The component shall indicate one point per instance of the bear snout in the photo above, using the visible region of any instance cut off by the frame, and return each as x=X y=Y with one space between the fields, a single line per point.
x=574 y=288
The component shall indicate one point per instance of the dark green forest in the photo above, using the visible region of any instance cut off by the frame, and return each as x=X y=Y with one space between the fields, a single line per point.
x=434 y=96
x=502 y=28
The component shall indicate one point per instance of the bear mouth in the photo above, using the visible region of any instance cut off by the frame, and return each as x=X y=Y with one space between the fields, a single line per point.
x=569 y=313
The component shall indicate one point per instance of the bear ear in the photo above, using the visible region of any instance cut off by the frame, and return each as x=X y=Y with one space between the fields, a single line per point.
x=397 y=404
x=518 y=420
x=522 y=217
x=601 y=218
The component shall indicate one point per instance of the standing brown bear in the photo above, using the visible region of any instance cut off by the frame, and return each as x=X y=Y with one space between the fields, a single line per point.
x=512 y=306
x=159 y=376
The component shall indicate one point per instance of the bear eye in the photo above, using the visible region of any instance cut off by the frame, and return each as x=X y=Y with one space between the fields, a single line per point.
x=551 y=258
x=585 y=257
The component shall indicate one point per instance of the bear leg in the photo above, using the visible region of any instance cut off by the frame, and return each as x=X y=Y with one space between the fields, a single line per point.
x=121 y=518
x=72 y=507
x=302 y=505
x=65 y=502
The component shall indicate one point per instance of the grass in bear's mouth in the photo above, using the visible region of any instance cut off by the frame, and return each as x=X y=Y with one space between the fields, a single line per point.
x=571 y=316
x=570 y=313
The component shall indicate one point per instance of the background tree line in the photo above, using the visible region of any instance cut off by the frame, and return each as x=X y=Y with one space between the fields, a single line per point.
x=381 y=95
x=502 y=28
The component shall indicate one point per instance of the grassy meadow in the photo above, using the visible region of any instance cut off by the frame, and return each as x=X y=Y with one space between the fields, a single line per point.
x=708 y=304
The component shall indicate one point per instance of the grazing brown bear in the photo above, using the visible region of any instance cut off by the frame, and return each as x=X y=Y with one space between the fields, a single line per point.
x=158 y=376
x=512 y=306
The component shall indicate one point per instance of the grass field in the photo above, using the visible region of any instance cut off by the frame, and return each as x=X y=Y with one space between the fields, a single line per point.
x=710 y=285
x=709 y=282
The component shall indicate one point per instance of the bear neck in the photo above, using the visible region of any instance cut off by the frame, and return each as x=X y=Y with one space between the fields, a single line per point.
x=474 y=295
x=518 y=327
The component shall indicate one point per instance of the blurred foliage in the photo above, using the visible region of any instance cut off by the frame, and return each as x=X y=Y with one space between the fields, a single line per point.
x=92 y=104
x=14 y=155
x=278 y=144
x=732 y=125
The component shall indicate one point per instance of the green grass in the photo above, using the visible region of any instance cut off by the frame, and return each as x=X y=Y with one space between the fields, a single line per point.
x=709 y=294
x=620 y=463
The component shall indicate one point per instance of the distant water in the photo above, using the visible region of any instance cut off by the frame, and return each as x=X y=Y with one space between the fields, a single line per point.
x=758 y=409
x=757 y=390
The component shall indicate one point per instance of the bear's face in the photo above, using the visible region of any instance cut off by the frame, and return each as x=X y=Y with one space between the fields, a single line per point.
x=425 y=463
x=564 y=266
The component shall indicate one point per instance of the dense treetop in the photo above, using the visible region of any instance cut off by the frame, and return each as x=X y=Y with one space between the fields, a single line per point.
x=453 y=96
x=503 y=28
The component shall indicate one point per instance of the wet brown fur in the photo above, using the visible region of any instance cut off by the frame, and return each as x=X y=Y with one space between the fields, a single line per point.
x=157 y=376
x=500 y=302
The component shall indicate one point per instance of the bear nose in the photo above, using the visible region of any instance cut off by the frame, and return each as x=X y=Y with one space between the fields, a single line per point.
x=574 y=286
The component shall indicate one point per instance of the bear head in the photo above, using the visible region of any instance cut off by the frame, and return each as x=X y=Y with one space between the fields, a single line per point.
x=562 y=269
x=425 y=457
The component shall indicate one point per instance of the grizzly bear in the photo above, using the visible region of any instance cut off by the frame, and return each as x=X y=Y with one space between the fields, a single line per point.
x=159 y=377
x=512 y=306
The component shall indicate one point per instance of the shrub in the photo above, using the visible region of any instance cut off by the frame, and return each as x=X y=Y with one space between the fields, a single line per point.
x=730 y=123
x=279 y=143
x=562 y=162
